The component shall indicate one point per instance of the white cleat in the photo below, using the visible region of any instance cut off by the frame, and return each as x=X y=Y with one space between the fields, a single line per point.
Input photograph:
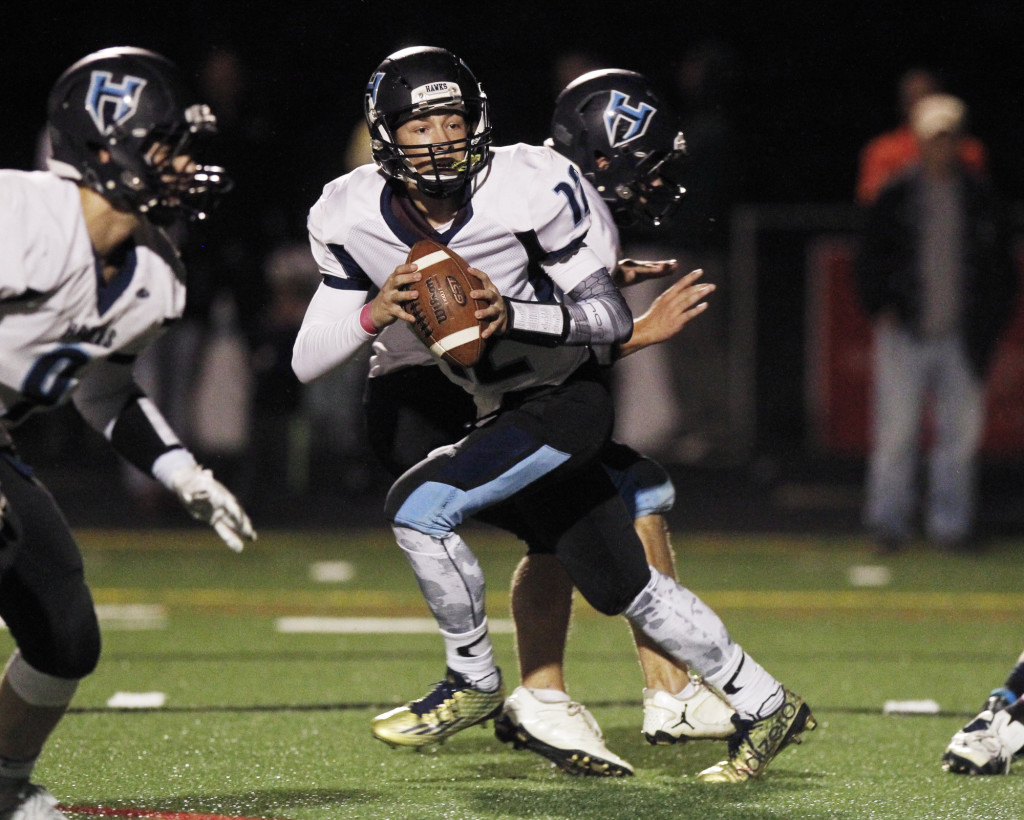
x=988 y=750
x=668 y=720
x=35 y=803
x=565 y=733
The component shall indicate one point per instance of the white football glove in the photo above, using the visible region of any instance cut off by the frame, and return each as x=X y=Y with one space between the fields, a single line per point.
x=206 y=499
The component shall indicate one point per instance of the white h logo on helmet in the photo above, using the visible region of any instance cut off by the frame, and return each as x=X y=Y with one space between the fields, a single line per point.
x=109 y=103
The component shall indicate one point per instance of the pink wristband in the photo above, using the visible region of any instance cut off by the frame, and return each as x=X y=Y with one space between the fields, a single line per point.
x=365 y=322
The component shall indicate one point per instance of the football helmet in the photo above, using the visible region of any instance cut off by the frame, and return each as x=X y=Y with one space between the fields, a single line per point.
x=625 y=141
x=133 y=104
x=421 y=81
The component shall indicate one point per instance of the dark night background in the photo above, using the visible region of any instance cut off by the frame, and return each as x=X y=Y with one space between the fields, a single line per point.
x=813 y=80
x=804 y=85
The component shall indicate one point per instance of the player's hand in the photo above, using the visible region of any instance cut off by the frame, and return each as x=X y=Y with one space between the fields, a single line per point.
x=400 y=287
x=495 y=314
x=630 y=271
x=669 y=313
x=206 y=499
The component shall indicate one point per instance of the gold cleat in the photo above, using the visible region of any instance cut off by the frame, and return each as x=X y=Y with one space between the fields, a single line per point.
x=758 y=742
x=451 y=706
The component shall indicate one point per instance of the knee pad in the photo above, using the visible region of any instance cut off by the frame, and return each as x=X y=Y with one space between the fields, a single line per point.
x=38 y=688
x=67 y=645
x=645 y=487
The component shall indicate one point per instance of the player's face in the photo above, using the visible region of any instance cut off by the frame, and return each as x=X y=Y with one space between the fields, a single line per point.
x=433 y=138
x=174 y=168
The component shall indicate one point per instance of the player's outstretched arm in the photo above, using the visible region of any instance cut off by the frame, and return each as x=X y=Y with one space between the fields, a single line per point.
x=110 y=400
x=669 y=313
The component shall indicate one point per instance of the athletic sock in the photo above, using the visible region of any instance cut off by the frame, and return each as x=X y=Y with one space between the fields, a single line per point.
x=472 y=656
x=550 y=695
x=748 y=687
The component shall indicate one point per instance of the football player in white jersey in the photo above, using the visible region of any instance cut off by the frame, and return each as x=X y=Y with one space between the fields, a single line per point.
x=545 y=414
x=88 y=279
x=411 y=409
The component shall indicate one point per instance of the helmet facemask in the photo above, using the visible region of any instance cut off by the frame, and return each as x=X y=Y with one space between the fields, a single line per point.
x=643 y=185
x=156 y=172
x=449 y=165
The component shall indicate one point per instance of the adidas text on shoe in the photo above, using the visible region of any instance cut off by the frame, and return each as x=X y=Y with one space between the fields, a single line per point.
x=34 y=803
x=757 y=743
x=565 y=733
x=668 y=719
x=451 y=706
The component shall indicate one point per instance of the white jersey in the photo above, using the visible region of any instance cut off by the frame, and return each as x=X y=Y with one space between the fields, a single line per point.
x=61 y=329
x=397 y=347
x=524 y=227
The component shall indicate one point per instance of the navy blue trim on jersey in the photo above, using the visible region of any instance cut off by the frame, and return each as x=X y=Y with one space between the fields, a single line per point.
x=338 y=283
x=351 y=267
x=539 y=280
x=108 y=292
x=397 y=226
x=410 y=226
x=27 y=296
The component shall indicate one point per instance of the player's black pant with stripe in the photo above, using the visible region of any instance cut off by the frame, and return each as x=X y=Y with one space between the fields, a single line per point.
x=44 y=599
x=541 y=454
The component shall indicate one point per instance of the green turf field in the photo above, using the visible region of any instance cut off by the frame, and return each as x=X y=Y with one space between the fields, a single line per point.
x=259 y=723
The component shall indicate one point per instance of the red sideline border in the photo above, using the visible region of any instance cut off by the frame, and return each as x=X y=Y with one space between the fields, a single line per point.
x=102 y=811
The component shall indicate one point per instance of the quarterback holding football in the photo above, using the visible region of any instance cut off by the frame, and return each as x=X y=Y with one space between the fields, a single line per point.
x=519 y=216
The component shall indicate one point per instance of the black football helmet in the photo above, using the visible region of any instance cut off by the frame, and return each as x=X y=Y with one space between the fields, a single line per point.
x=625 y=140
x=418 y=81
x=133 y=103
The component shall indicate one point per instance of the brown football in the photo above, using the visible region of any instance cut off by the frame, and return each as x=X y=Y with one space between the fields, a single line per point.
x=444 y=312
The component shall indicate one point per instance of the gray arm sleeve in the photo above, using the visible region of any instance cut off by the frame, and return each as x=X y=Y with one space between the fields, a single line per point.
x=598 y=313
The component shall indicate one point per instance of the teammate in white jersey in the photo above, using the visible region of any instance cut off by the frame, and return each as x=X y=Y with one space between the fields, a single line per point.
x=545 y=413
x=411 y=409
x=87 y=280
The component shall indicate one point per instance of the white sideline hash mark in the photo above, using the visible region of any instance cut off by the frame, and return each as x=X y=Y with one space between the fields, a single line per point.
x=332 y=572
x=910 y=707
x=136 y=700
x=868 y=575
x=373 y=626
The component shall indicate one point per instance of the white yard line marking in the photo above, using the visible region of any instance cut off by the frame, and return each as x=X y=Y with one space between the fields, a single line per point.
x=373 y=626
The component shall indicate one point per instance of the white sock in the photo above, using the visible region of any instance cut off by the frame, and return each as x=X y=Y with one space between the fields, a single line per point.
x=549 y=695
x=748 y=687
x=472 y=656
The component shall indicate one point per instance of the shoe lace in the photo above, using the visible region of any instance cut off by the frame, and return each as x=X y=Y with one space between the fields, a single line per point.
x=437 y=698
x=578 y=709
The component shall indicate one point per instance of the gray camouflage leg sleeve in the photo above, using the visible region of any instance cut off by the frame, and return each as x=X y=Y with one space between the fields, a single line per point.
x=449 y=576
x=681 y=624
